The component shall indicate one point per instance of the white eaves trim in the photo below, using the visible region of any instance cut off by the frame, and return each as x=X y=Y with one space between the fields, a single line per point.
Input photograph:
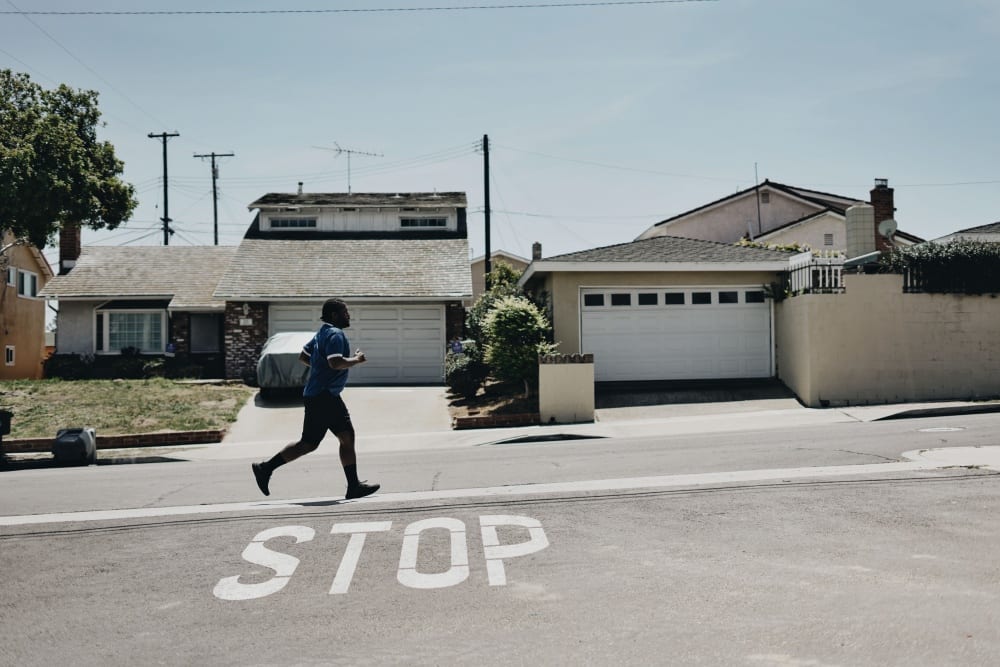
x=659 y=267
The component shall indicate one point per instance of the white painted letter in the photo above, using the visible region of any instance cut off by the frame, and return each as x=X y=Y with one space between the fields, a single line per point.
x=459 y=571
x=357 y=531
x=495 y=552
x=230 y=588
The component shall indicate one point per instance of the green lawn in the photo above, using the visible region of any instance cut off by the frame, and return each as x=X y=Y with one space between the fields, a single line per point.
x=42 y=407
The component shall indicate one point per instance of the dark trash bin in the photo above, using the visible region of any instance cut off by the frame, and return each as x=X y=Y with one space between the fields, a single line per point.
x=75 y=446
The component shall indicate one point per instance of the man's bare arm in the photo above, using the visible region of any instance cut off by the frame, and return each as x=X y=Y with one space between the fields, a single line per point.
x=339 y=362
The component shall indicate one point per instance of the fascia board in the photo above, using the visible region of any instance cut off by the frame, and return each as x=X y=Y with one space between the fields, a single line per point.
x=635 y=267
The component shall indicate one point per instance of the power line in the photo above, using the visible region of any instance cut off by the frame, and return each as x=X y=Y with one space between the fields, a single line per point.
x=74 y=57
x=357 y=10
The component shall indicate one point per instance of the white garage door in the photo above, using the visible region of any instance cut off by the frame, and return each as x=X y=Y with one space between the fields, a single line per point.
x=677 y=334
x=404 y=344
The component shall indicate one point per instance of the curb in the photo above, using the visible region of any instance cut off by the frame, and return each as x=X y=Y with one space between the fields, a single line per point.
x=943 y=412
x=160 y=439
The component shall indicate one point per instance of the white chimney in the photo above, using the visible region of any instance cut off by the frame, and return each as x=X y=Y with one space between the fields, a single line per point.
x=300 y=187
x=860 y=230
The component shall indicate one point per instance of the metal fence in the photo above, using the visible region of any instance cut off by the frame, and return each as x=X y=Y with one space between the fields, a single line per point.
x=810 y=273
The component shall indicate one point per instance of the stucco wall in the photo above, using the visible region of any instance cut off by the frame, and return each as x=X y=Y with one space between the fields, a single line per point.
x=731 y=221
x=813 y=232
x=564 y=288
x=875 y=344
x=22 y=318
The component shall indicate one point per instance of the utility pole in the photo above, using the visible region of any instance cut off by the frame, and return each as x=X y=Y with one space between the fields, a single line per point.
x=215 y=194
x=486 y=210
x=163 y=136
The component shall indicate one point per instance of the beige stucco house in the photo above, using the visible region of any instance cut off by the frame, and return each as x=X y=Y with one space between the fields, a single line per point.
x=664 y=308
x=25 y=272
x=775 y=213
x=478 y=266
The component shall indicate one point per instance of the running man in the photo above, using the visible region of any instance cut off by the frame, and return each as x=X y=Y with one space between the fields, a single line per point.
x=329 y=360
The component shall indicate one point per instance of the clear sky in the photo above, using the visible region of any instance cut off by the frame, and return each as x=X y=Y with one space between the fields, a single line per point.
x=602 y=119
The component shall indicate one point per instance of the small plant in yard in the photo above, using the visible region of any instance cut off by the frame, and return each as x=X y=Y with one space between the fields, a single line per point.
x=465 y=372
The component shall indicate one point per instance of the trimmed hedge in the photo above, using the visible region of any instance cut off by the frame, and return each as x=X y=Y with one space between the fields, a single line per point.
x=963 y=267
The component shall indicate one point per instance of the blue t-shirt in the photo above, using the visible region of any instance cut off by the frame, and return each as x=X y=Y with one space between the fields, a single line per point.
x=329 y=340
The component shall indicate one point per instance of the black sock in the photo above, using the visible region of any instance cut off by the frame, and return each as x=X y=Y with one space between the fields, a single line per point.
x=276 y=462
x=352 y=474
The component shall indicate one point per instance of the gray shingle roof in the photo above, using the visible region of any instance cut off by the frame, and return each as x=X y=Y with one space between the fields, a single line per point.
x=403 y=268
x=186 y=275
x=361 y=199
x=672 y=249
x=991 y=228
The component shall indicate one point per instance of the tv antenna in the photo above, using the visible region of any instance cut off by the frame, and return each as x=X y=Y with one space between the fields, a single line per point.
x=338 y=150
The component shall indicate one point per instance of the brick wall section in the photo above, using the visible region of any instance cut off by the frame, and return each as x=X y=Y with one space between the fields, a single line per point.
x=243 y=342
x=180 y=326
x=454 y=318
x=495 y=421
x=24 y=445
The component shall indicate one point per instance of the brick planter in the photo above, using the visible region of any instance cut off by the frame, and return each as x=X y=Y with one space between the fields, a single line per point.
x=496 y=421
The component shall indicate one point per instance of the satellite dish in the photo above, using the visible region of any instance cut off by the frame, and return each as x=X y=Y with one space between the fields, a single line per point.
x=887 y=228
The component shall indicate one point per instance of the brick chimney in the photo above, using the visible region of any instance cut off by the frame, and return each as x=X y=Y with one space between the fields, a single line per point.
x=536 y=250
x=69 y=247
x=881 y=198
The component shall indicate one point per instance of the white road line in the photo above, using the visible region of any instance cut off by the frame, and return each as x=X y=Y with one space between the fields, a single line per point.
x=660 y=482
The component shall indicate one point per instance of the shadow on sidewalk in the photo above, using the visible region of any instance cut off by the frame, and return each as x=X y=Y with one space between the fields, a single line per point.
x=633 y=394
x=47 y=462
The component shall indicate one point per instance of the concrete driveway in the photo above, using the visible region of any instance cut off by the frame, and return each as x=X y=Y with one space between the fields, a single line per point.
x=375 y=411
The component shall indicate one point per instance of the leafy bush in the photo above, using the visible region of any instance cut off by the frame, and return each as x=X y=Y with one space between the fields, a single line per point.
x=465 y=372
x=965 y=267
x=501 y=282
x=69 y=366
x=516 y=333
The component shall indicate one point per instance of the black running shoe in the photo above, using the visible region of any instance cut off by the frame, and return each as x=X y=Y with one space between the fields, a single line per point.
x=361 y=490
x=262 y=476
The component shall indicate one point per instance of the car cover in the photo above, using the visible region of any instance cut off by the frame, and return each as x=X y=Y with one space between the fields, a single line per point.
x=279 y=364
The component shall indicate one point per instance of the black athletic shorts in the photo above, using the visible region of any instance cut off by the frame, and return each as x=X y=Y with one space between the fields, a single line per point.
x=324 y=412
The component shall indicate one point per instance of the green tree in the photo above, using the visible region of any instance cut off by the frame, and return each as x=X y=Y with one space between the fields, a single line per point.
x=501 y=282
x=516 y=333
x=53 y=169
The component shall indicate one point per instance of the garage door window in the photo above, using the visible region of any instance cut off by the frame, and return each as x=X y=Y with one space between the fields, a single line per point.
x=756 y=296
x=673 y=299
x=593 y=300
x=621 y=299
x=648 y=299
x=729 y=297
x=701 y=298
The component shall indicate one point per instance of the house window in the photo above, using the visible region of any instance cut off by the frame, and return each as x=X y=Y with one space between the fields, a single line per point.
x=673 y=299
x=756 y=296
x=9 y=355
x=423 y=222
x=729 y=297
x=827 y=239
x=765 y=197
x=648 y=299
x=293 y=223
x=621 y=299
x=145 y=330
x=206 y=333
x=701 y=298
x=593 y=300
x=11 y=276
x=27 y=284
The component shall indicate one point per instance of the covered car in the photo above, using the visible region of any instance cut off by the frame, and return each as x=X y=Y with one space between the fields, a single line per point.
x=278 y=366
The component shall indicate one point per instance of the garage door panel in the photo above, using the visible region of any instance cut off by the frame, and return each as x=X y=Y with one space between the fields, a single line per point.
x=704 y=341
x=403 y=343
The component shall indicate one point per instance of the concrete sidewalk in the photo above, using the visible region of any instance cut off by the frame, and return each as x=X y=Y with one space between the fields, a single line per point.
x=415 y=418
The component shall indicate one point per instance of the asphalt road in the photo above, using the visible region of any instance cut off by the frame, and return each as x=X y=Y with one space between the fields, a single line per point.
x=796 y=546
